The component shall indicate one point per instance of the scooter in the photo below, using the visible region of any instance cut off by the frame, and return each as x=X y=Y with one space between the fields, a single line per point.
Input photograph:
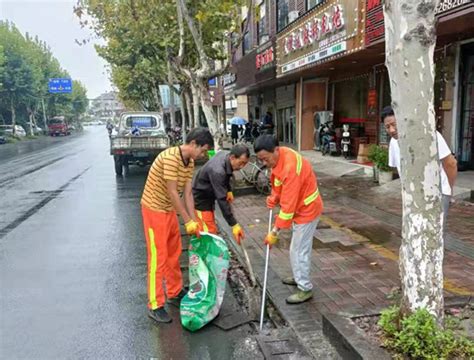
x=346 y=141
x=328 y=139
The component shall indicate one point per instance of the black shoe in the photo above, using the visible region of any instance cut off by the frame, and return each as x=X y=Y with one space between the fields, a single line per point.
x=160 y=315
x=176 y=301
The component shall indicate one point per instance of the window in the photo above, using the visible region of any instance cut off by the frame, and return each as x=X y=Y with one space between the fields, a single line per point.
x=141 y=121
x=246 y=40
x=282 y=13
x=262 y=34
x=312 y=3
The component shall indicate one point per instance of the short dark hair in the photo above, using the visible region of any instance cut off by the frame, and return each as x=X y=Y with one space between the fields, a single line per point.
x=201 y=137
x=239 y=150
x=265 y=142
x=386 y=111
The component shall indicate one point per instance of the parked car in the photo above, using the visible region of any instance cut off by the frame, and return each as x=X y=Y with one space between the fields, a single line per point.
x=58 y=126
x=8 y=130
x=140 y=138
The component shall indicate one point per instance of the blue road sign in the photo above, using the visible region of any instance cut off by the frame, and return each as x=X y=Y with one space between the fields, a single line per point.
x=60 y=86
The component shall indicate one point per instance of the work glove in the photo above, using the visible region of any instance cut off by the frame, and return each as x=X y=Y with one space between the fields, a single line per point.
x=271 y=238
x=272 y=201
x=192 y=228
x=238 y=233
x=230 y=197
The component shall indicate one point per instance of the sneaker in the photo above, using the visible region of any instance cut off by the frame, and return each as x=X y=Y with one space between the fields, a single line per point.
x=299 y=297
x=289 y=281
x=177 y=299
x=160 y=315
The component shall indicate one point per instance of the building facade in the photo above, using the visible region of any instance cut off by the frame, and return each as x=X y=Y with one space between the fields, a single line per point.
x=303 y=58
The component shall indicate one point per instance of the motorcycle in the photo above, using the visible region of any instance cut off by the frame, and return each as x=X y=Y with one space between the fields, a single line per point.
x=175 y=135
x=327 y=139
x=346 y=141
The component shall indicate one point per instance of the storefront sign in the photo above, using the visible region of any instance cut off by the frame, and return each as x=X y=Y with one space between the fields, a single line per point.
x=333 y=27
x=372 y=102
x=374 y=23
x=228 y=79
x=315 y=29
x=264 y=58
x=313 y=57
x=446 y=5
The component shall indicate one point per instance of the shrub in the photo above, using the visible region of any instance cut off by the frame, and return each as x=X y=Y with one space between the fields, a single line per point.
x=379 y=156
x=417 y=336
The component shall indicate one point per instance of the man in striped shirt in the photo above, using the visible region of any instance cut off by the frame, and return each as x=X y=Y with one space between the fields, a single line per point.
x=170 y=176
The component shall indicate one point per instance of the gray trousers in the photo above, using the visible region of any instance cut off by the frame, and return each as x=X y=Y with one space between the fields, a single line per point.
x=446 y=200
x=300 y=253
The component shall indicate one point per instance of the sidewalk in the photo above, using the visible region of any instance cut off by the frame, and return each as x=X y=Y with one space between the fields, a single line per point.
x=355 y=252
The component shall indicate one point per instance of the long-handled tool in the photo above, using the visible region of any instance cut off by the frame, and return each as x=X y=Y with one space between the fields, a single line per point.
x=267 y=258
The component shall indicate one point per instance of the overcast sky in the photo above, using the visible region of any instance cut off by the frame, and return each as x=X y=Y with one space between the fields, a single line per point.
x=54 y=22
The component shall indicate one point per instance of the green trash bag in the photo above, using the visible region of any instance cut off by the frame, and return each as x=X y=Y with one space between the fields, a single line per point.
x=208 y=264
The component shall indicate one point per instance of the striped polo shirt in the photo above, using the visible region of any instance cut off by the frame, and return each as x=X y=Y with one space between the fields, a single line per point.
x=168 y=165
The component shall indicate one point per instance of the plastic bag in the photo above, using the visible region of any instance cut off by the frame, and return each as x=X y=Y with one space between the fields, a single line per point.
x=208 y=265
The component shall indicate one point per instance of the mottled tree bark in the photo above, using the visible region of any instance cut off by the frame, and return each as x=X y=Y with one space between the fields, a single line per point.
x=410 y=40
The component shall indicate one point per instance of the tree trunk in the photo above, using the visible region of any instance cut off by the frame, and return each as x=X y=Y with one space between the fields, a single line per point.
x=12 y=107
x=208 y=110
x=171 y=90
x=189 y=107
x=196 y=101
x=183 y=115
x=158 y=100
x=410 y=41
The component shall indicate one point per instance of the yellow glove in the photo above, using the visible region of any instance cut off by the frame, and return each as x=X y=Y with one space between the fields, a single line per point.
x=271 y=238
x=238 y=233
x=230 y=197
x=192 y=228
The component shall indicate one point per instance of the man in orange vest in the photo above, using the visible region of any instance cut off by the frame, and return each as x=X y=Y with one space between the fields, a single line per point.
x=295 y=189
x=170 y=176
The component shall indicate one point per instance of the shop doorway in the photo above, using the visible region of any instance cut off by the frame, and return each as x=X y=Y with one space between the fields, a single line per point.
x=466 y=133
x=287 y=125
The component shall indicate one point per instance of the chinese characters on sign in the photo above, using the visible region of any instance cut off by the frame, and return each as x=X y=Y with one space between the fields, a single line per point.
x=60 y=86
x=315 y=30
x=264 y=58
x=374 y=24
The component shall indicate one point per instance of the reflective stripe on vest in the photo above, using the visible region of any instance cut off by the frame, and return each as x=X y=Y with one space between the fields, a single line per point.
x=284 y=216
x=311 y=197
x=204 y=226
x=299 y=162
x=277 y=182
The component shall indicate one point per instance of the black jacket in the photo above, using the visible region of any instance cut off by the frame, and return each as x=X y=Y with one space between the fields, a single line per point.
x=211 y=183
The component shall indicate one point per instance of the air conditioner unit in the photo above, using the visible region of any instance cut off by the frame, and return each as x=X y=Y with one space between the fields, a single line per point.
x=293 y=15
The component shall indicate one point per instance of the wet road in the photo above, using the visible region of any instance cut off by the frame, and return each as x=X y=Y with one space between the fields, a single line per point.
x=73 y=262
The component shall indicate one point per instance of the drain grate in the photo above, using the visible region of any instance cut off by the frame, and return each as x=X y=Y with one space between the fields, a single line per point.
x=281 y=348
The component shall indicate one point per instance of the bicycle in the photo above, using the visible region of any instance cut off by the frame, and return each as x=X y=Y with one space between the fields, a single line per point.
x=258 y=175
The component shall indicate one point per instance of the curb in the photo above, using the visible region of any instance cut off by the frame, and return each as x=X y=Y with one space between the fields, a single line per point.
x=350 y=341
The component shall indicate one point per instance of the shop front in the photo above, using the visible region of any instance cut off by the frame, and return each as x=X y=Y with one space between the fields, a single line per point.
x=312 y=52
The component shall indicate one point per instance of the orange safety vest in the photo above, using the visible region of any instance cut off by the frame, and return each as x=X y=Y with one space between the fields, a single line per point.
x=294 y=184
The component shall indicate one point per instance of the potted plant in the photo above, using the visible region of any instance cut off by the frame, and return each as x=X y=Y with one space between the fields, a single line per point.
x=379 y=156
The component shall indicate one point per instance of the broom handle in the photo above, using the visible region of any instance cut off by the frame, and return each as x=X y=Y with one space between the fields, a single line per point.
x=267 y=258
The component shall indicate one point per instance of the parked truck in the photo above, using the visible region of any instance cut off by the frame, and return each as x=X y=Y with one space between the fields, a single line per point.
x=58 y=126
x=139 y=138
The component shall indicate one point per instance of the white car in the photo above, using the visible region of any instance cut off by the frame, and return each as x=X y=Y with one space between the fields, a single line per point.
x=8 y=130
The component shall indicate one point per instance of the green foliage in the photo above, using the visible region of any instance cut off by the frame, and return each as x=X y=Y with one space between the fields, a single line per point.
x=417 y=336
x=26 y=65
x=379 y=156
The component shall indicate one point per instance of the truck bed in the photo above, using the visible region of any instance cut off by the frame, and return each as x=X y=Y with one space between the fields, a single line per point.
x=138 y=143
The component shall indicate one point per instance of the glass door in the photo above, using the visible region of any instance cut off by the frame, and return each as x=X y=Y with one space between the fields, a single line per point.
x=466 y=142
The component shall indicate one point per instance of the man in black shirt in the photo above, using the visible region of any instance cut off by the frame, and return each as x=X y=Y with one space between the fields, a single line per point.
x=212 y=182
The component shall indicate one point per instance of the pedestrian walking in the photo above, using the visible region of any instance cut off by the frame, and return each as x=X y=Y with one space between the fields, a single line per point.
x=449 y=169
x=170 y=176
x=212 y=183
x=295 y=190
x=234 y=133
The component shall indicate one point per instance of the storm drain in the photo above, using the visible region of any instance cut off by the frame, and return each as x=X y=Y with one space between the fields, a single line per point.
x=281 y=348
